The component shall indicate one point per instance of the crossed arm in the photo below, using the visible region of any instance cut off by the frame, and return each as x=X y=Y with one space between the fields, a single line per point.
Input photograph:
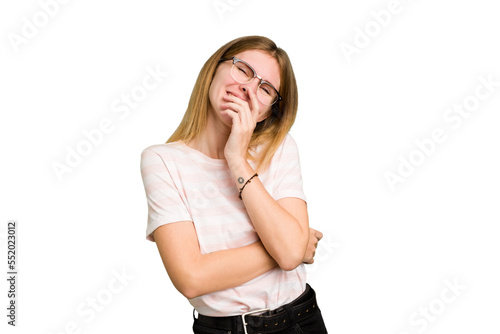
x=285 y=240
x=195 y=274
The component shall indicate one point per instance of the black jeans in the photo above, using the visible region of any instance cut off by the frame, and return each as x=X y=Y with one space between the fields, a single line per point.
x=313 y=324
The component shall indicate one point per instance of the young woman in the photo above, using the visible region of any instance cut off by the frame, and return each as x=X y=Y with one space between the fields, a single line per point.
x=226 y=206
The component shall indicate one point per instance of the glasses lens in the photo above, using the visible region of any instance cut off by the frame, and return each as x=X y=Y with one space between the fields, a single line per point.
x=267 y=94
x=241 y=72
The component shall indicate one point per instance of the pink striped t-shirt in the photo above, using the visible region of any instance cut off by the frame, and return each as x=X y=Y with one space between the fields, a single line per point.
x=183 y=184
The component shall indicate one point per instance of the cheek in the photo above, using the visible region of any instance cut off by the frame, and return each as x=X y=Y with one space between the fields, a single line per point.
x=267 y=112
x=263 y=108
x=215 y=93
x=221 y=79
x=216 y=87
x=211 y=91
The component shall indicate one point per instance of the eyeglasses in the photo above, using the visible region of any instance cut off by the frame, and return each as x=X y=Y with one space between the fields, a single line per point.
x=244 y=73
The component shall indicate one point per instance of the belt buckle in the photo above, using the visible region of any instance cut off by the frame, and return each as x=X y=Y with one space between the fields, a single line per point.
x=248 y=313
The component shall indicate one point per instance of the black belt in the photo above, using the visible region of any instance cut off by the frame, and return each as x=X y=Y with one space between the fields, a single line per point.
x=301 y=308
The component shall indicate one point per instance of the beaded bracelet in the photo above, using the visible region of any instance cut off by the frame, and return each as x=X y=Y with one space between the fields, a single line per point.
x=248 y=181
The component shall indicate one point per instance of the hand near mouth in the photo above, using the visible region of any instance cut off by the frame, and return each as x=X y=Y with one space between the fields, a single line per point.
x=244 y=116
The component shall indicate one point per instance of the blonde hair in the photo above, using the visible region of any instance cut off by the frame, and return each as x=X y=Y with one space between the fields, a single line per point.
x=271 y=131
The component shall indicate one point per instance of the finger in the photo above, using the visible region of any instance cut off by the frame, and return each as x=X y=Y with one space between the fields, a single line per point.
x=254 y=105
x=237 y=100
x=232 y=114
x=242 y=108
x=232 y=106
x=232 y=98
x=244 y=117
x=251 y=105
x=319 y=235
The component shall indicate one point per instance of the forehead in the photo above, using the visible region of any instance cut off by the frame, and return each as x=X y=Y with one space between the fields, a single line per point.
x=265 y=65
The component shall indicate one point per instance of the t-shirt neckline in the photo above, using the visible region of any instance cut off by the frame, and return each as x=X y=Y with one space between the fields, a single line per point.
x=203 y=157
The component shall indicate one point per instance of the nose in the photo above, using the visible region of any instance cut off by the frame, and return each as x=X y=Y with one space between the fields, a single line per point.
x=254 y=84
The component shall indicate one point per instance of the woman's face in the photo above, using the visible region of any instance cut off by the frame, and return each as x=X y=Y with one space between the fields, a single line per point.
x=223 y=83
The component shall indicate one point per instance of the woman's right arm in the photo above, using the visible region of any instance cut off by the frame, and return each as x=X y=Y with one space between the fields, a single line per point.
x=195 y=274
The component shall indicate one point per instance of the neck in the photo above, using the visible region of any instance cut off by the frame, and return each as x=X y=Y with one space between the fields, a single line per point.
x=213 y=139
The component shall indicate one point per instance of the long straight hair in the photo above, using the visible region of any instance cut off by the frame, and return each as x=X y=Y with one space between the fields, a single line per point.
x=268 y=133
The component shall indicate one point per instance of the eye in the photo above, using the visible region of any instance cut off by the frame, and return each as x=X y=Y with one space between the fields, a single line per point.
x=242 y=70
x=266 y=90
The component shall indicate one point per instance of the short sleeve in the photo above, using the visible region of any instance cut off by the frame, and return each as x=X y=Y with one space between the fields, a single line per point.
x=165 y=204
x=288 y=177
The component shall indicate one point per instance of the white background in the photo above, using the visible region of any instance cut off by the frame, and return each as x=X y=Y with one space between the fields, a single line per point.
x=387 y=254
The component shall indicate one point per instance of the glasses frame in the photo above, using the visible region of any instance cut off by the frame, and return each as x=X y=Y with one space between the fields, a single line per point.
x=255 y=75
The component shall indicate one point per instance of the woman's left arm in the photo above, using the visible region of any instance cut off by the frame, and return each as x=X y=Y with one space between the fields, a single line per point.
x=283 y=225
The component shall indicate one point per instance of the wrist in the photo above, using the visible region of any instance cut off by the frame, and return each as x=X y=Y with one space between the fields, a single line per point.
x=235 y=162
x=241 y=171
x=238 y=166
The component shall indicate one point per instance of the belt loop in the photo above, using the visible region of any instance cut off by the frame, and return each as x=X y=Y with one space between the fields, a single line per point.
x=288 y=311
